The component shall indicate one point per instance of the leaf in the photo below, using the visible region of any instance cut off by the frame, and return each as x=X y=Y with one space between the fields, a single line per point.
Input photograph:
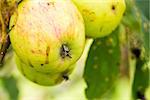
x=139 y=45
x=102 y=69
x=143 y=5
x=142 y=73
x=146 y=35
x=131 y=17
x=10 y=85
x=141 y=80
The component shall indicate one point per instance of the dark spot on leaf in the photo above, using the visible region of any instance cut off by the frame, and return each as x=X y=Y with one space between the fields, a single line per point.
x=42 y=64
x=140 y=95
x=136 y=52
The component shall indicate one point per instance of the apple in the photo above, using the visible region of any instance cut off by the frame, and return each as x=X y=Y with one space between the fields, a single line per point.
x=47 y=35
x=101 y=16
x=45 y=79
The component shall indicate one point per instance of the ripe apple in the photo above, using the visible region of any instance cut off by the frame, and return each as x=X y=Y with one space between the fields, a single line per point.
x=101 y=16
x=47 y=35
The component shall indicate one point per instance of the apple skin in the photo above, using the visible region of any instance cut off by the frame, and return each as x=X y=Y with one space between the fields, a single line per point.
x=45 y=79
x=101 y=16
x=40 y=29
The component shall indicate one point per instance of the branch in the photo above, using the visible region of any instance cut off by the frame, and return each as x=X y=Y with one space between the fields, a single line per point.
x=6 y=10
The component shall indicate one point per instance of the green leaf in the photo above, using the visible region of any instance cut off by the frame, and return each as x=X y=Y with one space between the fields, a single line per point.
x=141 y=80
x=139 y=45
x=10 y=85
x=131 y=17
x=143 y=5
x=142 y=73
x=146 y=35
x=102 y=69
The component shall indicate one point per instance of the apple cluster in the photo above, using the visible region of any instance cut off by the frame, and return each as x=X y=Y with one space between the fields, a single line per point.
x=48 y=36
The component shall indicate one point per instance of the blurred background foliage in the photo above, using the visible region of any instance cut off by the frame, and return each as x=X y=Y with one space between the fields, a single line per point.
x=116 y=67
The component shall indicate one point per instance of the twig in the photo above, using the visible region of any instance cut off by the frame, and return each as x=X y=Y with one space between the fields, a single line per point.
x=4 y=36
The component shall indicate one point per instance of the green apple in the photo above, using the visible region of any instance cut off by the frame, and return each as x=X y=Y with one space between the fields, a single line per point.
x=101 y=16
x=45 y=79
x=48 y=35
x=40 y=78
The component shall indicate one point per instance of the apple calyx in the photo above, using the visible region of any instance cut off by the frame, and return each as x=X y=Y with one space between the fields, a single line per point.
x=65 y=77
x=65 y=51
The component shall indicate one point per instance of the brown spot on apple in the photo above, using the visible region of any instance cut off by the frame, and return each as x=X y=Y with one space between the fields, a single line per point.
x=47 y=54
x=51 y=4
x=113 y=7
